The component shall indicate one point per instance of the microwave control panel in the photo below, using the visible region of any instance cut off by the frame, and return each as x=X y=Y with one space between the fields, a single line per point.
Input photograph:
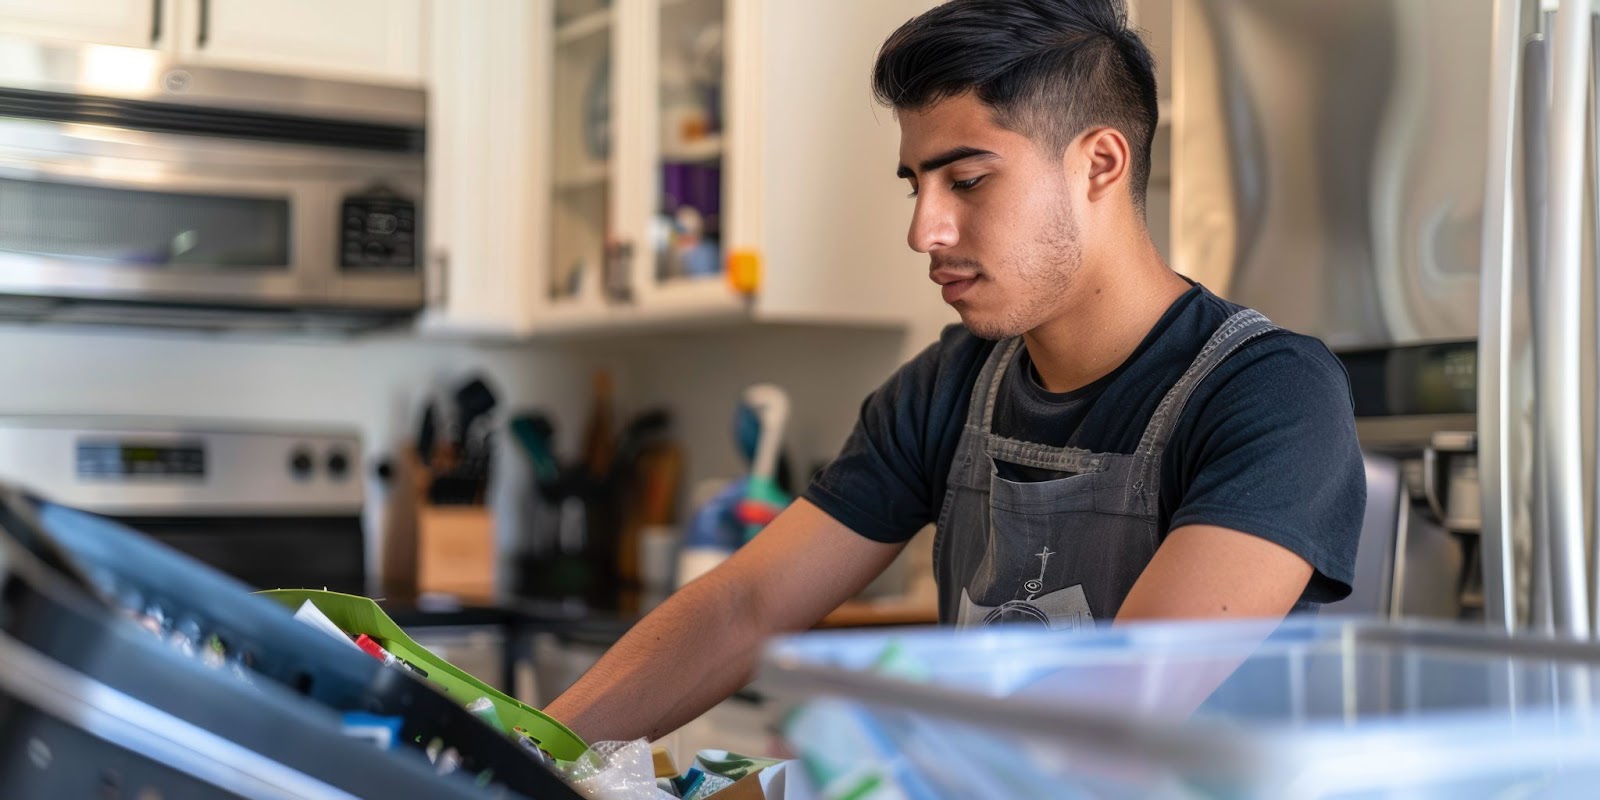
x=378 y=231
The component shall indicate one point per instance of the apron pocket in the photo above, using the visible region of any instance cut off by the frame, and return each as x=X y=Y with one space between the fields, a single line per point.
x=1058 y=496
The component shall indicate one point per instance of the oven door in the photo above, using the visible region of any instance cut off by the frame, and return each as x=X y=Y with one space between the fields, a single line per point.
x=95 y=212
x=267 y=551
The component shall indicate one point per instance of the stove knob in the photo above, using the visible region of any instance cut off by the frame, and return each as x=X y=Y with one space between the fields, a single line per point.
x=338 y=465
x=300 y=464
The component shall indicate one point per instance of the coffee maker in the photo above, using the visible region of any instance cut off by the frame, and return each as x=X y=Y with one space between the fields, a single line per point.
x=1420 y=553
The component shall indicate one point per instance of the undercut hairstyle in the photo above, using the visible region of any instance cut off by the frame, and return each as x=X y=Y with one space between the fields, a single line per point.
x=1048 y=69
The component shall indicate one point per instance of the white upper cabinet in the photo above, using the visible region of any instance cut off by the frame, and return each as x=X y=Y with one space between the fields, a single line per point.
x=586 y=263
x=362 y=40
x=356 y=40
x=488 y=166
x=126 y=23
x=816 y=196
x=724 y=160
x=702 y=159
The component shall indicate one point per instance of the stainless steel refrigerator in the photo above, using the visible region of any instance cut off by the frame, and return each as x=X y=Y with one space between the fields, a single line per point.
x=1410 y=181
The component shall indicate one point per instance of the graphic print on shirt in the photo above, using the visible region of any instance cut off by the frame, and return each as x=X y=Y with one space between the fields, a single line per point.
x=1062 y=609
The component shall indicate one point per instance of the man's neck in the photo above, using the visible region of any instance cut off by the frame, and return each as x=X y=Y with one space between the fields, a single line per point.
x=1113 y=311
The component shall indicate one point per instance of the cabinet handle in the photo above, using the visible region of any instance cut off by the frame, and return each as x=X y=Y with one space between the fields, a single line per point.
x=616 y=271
x=155 y=21
x=438 y=288
x=205 y=23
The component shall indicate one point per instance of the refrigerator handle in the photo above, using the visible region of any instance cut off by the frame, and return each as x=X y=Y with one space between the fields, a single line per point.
x=1560 y=417
x=1535 y=192
x=1594 y=153
x=1494 y=318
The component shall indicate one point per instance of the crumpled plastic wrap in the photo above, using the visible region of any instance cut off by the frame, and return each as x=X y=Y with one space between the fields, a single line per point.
x=615 y=771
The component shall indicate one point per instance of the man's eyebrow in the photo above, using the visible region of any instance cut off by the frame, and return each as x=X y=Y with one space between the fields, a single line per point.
x=944 y=159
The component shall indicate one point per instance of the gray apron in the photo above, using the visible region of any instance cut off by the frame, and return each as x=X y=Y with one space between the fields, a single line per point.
x=1060 y=553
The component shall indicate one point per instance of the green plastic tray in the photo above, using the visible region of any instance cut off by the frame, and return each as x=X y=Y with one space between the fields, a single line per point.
x=356 y=615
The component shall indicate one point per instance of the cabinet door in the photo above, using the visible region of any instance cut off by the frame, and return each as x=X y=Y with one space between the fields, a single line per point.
x=833 y=233
x=688 y=133
x=587 y=262
x=489 y=111
x=366 y=40
x=127 y=23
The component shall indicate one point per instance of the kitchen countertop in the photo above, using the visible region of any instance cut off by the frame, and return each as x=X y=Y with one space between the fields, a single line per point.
x=881 y=613
x=595 y=624
x=523 y=620
x=428 y=610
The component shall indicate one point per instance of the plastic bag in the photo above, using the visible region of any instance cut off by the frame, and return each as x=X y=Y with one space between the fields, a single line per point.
x=615 y=771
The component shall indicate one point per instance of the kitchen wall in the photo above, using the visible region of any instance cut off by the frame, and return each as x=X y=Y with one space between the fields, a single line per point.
x=698 y=376
x=372 y=384
x=376 y=384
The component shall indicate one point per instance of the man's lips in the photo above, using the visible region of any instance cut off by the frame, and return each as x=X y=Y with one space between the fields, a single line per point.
x=944 y=275
x=953 y=283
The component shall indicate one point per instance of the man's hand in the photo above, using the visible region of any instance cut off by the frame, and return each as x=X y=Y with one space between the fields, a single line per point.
x=1203 y=571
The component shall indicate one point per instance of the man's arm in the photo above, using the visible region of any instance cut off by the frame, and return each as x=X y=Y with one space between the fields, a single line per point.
x=1271 y=491
x=701 y=645
x=1203 y=571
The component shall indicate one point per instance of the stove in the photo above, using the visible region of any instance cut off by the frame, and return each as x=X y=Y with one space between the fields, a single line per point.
x=275 y=507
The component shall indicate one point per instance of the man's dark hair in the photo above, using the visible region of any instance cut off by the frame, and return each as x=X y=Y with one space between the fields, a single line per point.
x=1050 y=70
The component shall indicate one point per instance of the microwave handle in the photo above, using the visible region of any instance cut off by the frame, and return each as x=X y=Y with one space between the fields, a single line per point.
x=155 y=21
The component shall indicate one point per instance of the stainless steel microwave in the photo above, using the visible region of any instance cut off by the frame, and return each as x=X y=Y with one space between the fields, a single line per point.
x=134 y=189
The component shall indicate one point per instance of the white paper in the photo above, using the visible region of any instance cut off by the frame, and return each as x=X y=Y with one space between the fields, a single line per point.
x=313 y=616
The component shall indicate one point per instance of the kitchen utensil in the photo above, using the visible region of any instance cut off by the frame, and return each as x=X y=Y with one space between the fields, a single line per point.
x=535 y=434
x=769 y=406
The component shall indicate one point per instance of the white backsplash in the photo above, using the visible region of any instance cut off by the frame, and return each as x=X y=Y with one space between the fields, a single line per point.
x=376 y=385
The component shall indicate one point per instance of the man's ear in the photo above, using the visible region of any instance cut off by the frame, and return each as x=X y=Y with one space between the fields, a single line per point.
x=1109 y=158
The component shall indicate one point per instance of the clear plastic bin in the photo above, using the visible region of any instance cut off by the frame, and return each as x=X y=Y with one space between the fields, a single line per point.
x=1324 y=708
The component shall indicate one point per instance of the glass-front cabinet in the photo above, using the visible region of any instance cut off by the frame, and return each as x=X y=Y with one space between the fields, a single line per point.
x=689 y=95
x=639 y=116
x=635 y=164
x=583 y=157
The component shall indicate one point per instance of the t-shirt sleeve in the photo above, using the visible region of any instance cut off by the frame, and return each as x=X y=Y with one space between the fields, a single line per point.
x=1274 y=454
x=881 y=485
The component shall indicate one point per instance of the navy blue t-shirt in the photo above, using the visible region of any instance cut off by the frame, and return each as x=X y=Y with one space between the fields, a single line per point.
x=1266 y=444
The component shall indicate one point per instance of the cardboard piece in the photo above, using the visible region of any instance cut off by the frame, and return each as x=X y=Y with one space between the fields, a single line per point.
x=746 y=788
x=664 y=766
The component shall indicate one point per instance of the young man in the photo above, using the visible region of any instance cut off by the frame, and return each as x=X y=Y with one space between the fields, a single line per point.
x=1101 y=440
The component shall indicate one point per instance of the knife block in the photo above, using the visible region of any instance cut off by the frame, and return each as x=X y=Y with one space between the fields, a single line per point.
x=455 y=550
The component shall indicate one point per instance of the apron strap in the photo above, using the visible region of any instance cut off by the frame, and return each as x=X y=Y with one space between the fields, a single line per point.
x=1234 y=333
x=987 y=387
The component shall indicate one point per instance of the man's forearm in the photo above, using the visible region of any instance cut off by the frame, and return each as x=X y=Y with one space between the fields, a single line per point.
x=702 y=644
x=696 y=649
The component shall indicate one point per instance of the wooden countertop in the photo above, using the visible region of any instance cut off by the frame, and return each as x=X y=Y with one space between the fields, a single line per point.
x=866 y=614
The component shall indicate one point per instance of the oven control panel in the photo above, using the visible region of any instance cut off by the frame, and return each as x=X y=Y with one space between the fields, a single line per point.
x=118 y=458
x=126 y=466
